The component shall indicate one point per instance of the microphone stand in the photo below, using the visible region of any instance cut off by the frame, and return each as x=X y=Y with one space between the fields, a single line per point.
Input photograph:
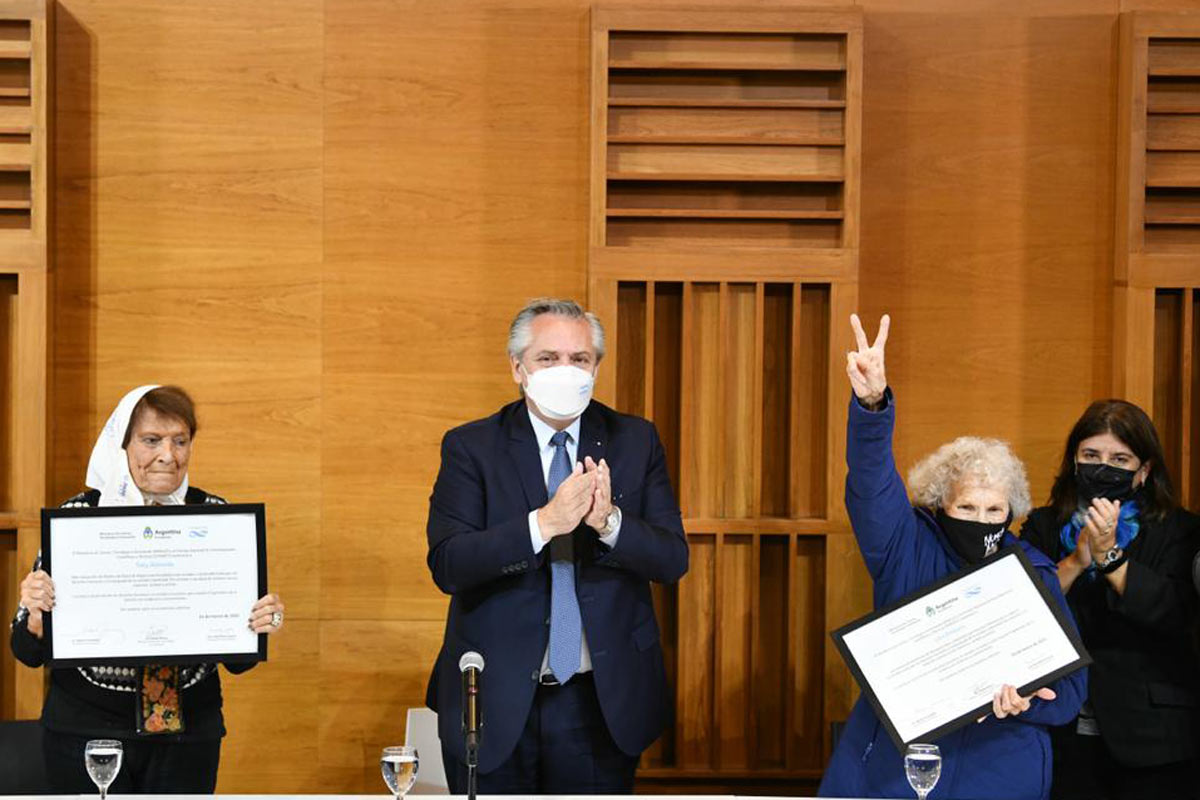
x=471 y=664
x=472 y=764
x=472 y=744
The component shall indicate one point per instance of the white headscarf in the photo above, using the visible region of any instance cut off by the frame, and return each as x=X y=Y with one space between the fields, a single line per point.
x=108 y=469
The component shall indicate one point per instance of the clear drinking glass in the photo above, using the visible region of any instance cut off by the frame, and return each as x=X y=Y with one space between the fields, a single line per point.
x=103 y=760
x=399 y=767
x=923 y=767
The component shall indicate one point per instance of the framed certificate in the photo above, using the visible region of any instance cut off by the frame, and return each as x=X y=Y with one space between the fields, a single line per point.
x=930 y=662
x=157 y=584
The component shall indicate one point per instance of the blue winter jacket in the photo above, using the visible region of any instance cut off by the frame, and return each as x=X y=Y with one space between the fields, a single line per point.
x=904 y=550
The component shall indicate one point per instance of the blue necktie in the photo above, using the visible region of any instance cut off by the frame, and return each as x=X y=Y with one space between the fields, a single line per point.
x=566 y=626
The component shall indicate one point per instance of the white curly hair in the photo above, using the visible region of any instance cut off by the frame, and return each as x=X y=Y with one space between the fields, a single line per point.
x=935 y=479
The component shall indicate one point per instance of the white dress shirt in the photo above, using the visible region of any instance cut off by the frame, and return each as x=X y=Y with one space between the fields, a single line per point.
x=543 y=432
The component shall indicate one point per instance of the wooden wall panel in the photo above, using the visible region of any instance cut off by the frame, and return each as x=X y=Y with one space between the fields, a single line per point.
x=1167 y=352
x=704 y=492
x=988 y=155
x=695 y=740
x=806 y=735
x=8 y=367
x=738 y=579
x=319 y=217
x=189 y=233
x=454 y=190
x=741 y=407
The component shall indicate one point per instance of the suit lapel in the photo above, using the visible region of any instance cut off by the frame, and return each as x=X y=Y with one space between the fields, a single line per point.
x=593 y=435
x=523 y=450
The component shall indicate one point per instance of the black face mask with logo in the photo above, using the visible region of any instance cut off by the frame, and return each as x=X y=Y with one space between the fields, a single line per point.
x=1102 y=480
x=972 y=540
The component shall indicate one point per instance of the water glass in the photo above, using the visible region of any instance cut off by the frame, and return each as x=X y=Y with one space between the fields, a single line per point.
x=399 y=768
x=103 y=760
x=923 y=767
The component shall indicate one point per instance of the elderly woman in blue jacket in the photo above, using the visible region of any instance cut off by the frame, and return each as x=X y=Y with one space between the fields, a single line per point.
x=964 y=496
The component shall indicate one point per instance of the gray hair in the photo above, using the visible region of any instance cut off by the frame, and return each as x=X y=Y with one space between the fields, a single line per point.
x=520 y=333
x=967 y=459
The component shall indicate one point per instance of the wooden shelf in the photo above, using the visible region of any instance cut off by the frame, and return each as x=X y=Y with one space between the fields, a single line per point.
x=15 y=205
x=1171 y=182
x=721 y=213
x=679 y=102
x=731 y=66
x=8 y=520
x=16 y=120
x=13 y=48
x=718 y=176
x=9 y=91
x=1173 y=219
x=810 y=141
x=1174 y=72
x=1173 y=108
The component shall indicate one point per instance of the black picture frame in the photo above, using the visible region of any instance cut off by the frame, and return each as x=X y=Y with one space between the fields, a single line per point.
x=260 y=525
x=1068 y=627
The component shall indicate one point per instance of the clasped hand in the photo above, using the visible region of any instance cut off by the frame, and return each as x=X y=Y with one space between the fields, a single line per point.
x=585 y=495
x=1099 y=533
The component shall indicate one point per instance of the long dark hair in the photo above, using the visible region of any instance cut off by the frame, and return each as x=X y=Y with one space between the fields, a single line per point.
x=1130 y=424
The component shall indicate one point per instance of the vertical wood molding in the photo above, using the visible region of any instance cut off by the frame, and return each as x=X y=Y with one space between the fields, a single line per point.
x=24 y=253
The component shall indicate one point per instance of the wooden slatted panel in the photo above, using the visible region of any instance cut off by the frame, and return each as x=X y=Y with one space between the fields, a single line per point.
x=757 y=370
x=766 y=51
x=733 y=126
x=739 y=357
x=669 y=357
x=11 y=569
x=696 y=673
x=705 y=487
x=631 y=354
x=726 y=184
x=1174 y=132
x=776 y=406
x=1167 y=410
x=1183 y=477
x=1176 y=56
x=810 y=359
x=736 y=643
x=770 y=675
x=806 y=734
x=1193 y=489
x=8 y=387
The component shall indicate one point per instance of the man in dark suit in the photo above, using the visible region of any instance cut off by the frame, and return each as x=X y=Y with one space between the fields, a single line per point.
x=547 y=523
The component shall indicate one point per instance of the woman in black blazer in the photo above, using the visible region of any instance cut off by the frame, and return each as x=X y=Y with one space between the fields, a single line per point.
x=1124 y=550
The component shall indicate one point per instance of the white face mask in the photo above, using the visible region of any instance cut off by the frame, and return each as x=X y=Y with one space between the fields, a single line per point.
x=560 y=393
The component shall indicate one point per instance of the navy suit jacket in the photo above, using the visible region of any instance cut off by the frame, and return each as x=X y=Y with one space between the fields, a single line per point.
x=480 y=553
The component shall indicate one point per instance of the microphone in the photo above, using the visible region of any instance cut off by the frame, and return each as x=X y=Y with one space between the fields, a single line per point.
x=471 y=665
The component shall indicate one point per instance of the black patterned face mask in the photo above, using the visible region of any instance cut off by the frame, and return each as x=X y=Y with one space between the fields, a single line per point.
x=972 y=540
x=1102 y=480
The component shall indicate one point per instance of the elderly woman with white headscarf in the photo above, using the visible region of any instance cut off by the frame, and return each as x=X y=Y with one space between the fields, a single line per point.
x=168 y=718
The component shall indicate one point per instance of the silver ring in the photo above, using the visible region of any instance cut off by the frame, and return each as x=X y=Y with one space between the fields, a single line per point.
x=276 y=619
